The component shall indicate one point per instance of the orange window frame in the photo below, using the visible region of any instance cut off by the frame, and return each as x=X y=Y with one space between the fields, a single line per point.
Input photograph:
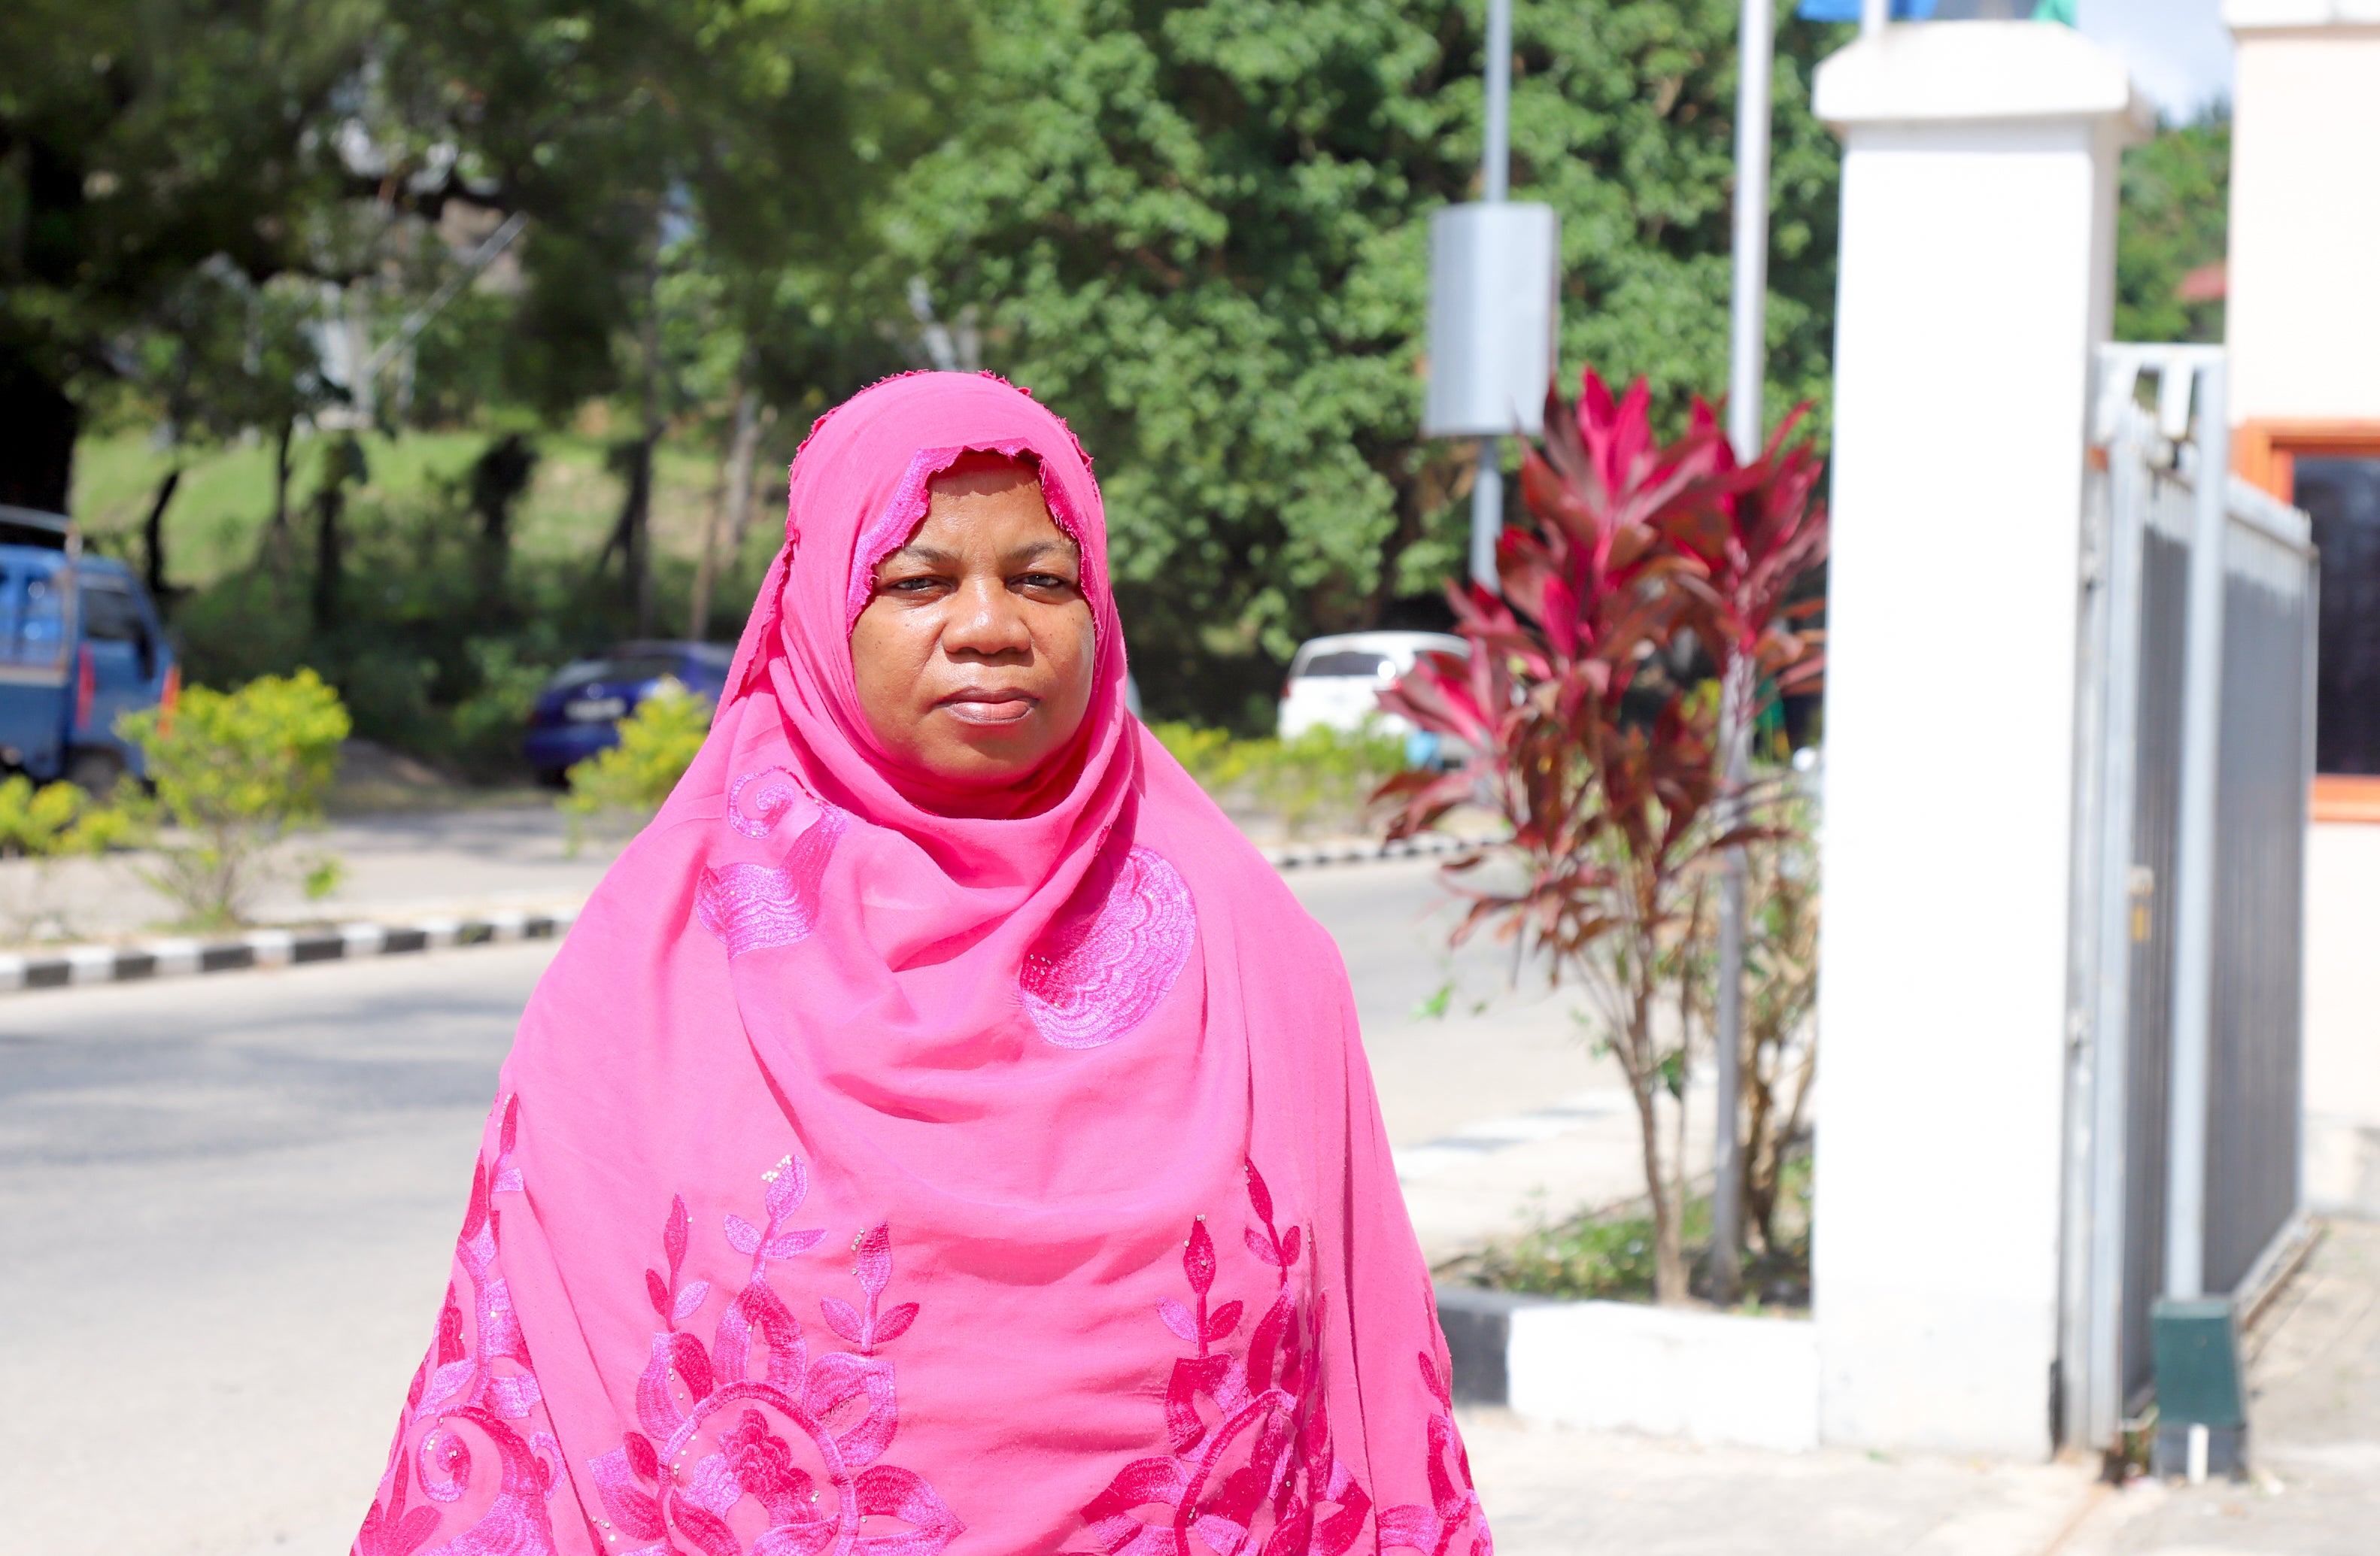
x=2264 y=454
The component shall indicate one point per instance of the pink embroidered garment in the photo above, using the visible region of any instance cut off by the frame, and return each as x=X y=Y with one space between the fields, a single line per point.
x=865 y=1180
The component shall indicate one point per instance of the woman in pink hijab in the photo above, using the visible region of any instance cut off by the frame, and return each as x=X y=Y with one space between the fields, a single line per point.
x=941 y=1131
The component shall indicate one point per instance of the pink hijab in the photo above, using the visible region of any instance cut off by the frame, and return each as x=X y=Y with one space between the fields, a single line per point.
x=865 y=1180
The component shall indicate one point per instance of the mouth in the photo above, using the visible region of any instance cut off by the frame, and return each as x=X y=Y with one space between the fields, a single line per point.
x=991 y=705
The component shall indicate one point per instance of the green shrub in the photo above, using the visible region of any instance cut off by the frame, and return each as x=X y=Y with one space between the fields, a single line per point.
x=1323 y=775
x=1611 y=1254
x=628 y=782
x=235 y=772
x=46 y=824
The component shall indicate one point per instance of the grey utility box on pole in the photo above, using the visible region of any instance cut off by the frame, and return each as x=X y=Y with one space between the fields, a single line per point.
x=1493 y=270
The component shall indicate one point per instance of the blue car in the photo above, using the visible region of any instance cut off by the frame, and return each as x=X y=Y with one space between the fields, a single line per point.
x=80 y=646
x=578 y=713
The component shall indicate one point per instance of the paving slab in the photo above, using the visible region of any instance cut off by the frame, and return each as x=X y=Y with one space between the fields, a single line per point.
x=1552 y=1492
x=2313 y=1415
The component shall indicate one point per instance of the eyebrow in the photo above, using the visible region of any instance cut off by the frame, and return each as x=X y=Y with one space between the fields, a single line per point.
x=934 y=557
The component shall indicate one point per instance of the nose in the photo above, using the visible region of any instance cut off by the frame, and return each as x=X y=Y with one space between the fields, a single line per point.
x=985 y=622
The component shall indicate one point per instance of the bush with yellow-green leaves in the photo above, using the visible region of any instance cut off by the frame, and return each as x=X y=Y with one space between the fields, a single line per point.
x=624 y=784
x=233 y=774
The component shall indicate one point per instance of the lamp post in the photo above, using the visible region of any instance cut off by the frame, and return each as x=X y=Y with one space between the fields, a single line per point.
x=1494 y=265
x=1496 y=180
x=1747 y=375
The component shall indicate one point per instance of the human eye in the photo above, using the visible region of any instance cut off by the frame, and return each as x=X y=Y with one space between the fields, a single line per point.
x=913 y=586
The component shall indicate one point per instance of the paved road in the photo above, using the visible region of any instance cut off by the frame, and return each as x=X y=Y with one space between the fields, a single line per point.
x=225 y=1207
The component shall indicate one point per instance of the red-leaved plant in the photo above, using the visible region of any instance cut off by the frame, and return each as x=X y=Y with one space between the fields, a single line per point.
x=1634 y=544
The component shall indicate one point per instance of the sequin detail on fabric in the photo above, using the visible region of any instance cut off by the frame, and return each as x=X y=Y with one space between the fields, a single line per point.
x=1261 y=1476
x=461 y=1396
x=1094 y=976
x=798 y=1440
x=753 y=907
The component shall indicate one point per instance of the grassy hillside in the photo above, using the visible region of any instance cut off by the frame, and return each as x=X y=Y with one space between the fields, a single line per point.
x=225 y=496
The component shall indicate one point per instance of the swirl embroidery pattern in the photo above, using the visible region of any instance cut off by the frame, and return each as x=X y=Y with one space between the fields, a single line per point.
x=840 y=1403
x=753 y=907
x=458 y=1384
x=1095 y=975
x=1256 y=1478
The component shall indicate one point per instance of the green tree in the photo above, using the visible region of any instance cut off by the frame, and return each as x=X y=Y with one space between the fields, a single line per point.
x=698 y=176
x=2175 y=220
x=1200 y=231
x=140 y=143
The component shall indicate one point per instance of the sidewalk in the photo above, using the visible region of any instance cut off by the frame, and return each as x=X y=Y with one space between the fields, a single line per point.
x=455 y=861
x=2314 y=1379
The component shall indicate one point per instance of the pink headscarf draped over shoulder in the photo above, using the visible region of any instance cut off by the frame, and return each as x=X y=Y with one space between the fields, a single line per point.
x=869 y=1180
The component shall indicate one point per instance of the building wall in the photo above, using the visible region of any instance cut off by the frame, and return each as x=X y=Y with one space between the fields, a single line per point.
x=2304 y=312
x=2305 y=336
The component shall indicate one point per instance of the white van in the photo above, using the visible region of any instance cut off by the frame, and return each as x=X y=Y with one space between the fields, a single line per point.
x=1336 y=682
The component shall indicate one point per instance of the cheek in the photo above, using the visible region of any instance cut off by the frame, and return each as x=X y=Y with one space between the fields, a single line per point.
x=1080 y=654
x=888 y=652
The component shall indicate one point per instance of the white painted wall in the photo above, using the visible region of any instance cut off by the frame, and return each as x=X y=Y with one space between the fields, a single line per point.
x=2304 y=336
x=2304 y=312
x=2342 y=1019
x=1717 y=1377
x=1976 y=272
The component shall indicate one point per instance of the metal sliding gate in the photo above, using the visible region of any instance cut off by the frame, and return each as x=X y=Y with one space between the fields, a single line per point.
x=2229 y=1183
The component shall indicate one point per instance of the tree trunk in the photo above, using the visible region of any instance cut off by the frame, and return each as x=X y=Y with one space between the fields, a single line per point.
x=733 y=508
x=37 y=453
x=153 y=536
x=1645 y=1083
x=639 y=538
x=498 y=478
x=633 y=462
x=329 y=505
x=343 y=464
x=276 y=534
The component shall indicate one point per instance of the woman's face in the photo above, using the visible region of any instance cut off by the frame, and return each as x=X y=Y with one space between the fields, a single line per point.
x=974 y=655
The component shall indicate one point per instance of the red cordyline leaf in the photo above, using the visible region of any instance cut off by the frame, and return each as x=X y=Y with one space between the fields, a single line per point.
x=1631 y=543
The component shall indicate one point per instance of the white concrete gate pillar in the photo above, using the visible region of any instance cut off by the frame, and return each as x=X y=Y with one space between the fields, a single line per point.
x=1977 y=268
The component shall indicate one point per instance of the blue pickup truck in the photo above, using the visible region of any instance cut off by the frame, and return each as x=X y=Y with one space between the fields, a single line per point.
x=80 y=645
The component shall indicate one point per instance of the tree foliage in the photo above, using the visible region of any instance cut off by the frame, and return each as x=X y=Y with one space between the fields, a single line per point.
x=2176 y=210
x=1200 y=231
x=139 y=145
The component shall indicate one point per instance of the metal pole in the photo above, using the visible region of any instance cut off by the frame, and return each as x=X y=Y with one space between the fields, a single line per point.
x=1873 y=16
x=1747 y=375
x=2095 y=1378
x=2193 y=959
x=1496 y=154
x=1495 y=177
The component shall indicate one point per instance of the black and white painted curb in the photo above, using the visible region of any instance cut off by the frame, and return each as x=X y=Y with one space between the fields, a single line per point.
x=78 y=965
x=1477 y=1324
x=273 y=948
x=1363 y=850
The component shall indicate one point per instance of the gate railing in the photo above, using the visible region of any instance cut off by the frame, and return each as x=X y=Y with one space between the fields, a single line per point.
x=2183 y=1131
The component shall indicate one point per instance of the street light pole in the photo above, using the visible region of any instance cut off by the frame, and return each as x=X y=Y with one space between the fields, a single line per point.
x=1496 y=177
x=1747 y=373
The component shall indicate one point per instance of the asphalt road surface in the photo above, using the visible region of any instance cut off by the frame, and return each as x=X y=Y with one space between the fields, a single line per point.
x=226 y=1207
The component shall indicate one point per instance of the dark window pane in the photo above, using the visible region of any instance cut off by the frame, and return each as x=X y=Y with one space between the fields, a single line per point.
x=2343 y=495
x=1346 y=662
x=110 y=615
